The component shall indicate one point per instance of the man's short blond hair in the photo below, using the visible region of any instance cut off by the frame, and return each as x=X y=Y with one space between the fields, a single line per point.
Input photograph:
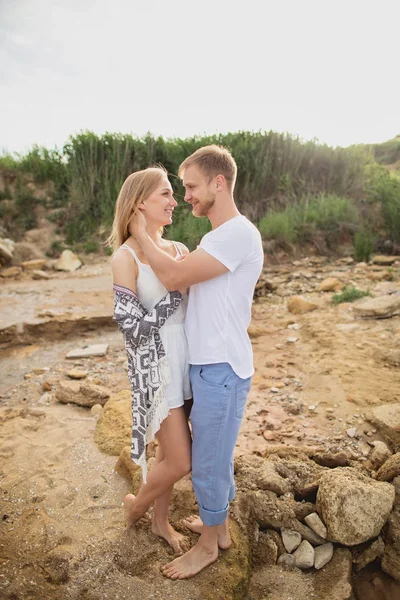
x=212 y=160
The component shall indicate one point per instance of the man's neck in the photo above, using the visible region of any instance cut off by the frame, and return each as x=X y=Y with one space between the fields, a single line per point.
x=218 y=215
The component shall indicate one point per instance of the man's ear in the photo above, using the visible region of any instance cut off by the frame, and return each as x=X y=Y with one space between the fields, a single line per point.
x=219 y=182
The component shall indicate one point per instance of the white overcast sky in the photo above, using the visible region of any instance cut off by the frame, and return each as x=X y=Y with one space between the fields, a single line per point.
x=317 y=68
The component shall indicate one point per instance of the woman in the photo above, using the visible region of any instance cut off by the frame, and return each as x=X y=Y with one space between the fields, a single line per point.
x=152 y=322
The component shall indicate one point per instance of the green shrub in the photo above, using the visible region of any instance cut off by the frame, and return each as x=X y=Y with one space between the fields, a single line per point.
x=364 y=244
x=90 y=246
x=349 y=294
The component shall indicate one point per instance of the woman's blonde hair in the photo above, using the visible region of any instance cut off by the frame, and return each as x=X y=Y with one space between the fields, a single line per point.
x=136 y=188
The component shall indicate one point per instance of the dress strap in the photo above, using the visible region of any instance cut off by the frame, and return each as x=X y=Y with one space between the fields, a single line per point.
x=178 y=250
x=131 y=251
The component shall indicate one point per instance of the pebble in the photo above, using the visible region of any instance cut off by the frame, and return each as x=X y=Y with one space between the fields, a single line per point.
x=292 y=340
x=316 y=524
x=287 y=560
x=77 y=374
x=322 y=555
x=304 y=555
x=291 y=539
x=352 y=432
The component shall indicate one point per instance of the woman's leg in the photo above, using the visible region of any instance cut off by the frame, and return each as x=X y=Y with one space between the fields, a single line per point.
x=160 y=524
x=175 y=441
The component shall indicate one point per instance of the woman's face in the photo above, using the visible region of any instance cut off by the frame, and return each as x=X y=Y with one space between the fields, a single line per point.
x=160 y=205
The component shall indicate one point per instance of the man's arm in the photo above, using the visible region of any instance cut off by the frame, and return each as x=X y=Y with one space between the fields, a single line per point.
x=176 y=275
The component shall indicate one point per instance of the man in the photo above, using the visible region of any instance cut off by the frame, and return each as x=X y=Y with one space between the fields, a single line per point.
x=222 y=273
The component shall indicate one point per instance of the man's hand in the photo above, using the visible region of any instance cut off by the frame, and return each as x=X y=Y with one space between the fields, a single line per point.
x=137 y=225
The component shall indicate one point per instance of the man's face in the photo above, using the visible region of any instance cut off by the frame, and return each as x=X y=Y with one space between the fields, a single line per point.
x=199 y=191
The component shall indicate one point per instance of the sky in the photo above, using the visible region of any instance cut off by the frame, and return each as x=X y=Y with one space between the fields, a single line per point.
x=314 y=68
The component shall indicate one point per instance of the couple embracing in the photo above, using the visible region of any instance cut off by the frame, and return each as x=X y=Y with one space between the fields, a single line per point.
x=184 y=317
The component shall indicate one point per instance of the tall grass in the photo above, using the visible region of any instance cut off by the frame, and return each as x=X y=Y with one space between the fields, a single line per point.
x=291 y=187
x=297 y=223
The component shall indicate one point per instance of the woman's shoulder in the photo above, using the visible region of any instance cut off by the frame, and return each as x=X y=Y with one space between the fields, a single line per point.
x=123 y=264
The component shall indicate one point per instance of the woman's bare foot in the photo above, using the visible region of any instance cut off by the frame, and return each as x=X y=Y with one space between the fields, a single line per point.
x=191 y=563
x=177 y=541
x=195 y=524
x=132 y=516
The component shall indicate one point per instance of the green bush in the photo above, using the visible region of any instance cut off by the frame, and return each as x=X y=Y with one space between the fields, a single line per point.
x=364 y=244
x=299 y=222
x=349 y=294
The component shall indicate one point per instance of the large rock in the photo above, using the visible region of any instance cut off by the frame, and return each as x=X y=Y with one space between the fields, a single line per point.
x=32 y=265
x=6 y=250
x=68 y=261
x=384 y=261
x=83 y=394
x=353 y=507
x=382 y=307
x=378 y=456
x=11 y=272
x=114 y=427
x=331 y=284
x=391 y=557
x=298 y=305
x=390 y=469
x=386 y=418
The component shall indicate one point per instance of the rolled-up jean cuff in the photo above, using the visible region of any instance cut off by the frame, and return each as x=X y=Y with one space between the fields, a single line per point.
x=211 y=517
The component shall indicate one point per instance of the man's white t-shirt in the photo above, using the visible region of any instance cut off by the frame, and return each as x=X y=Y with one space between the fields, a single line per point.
x=219 y=310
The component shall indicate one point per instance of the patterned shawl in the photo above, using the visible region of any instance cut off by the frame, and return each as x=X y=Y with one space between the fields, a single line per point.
x=147 y=364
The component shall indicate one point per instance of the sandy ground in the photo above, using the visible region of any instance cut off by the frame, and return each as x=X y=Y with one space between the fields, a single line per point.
x=317 y=375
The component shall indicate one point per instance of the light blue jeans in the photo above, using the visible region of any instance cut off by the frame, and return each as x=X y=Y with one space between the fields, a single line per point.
x=219 y=401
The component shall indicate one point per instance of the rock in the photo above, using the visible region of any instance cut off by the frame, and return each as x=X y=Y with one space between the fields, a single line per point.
x=265 y=551
x=308 y=534
x=11 y=272
x=332 y=459
x=38 y=274
x=298 y=305
x=256 y=331
x=353 y=507
x=304 y=555
x=331 y=284
x=6 y=250
x=316 y=524
x=32 y=265
x=87 y=351
x=261 y=472
x=334 y=581
x=291 y=539
x=365 y=555
x=391 y=557
x=322 y=555
x=386 y=419
x=68 y=261
x=114 y=427
x=378 y=456
x=352 y=432
x=382 y=307
x=292 y=340
x=24 y=251
x=390 y=469
x=96 y=410
x=264 y=287
x=286 y=560
x=83 y=394
x=386 y=287
x=384 y=261
x=77 y=374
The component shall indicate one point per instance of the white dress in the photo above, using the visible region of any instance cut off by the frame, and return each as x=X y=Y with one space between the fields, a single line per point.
x=150 y=291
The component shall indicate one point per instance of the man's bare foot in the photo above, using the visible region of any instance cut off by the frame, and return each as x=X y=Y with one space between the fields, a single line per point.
x=177 y=541
x=191 y=563
x=195 y=524
x=132 y=516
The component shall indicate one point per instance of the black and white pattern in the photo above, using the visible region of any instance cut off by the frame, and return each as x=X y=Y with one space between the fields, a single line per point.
x=147 y=364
